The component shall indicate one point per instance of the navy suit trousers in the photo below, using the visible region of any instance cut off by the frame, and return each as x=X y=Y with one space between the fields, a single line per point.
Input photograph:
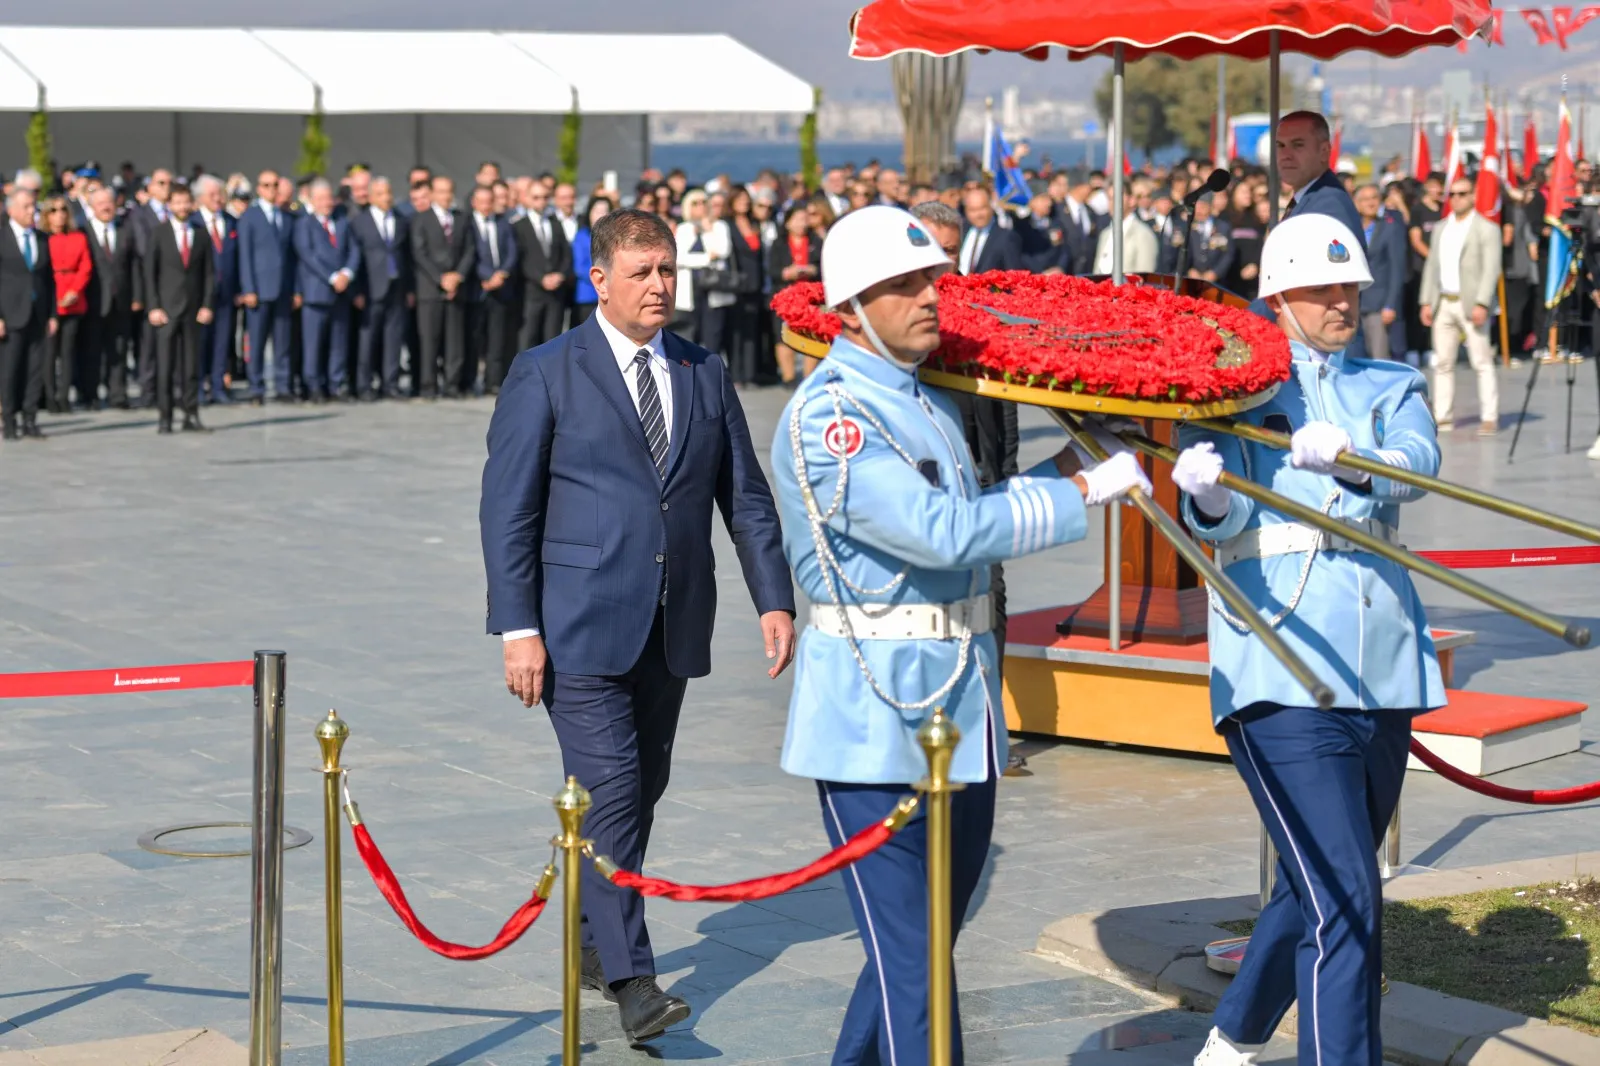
x=326 y=332
x=273 y=319
x=216 y=348
x=616 y=738
x=887 y=1019
x=1326 y=784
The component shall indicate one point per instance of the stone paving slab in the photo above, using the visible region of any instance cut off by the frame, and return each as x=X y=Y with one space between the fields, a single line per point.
x=349 y=537
x=189 y=1047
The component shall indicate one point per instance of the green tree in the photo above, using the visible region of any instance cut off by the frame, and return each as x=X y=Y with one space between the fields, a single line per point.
x=571 y=131
x=314 y=145
x=810 y=166
x=1167 y=102
x=40 y=150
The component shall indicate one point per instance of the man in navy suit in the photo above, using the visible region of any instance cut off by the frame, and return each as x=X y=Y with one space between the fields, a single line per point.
x=327 y=261
x=266 y=286
x=1385 y=237
x=987 y=245
x=385 y=296
x=489 y=334
x=216 y=343
x=609 y=448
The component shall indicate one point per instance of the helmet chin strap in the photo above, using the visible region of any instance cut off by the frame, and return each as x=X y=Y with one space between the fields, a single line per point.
x=877 y=342
x=1300 y=333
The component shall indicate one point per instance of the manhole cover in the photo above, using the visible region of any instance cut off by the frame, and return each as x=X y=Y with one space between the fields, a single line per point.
x=152 y=841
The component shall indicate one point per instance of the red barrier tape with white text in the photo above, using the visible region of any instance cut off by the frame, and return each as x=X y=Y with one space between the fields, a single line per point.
x=1505 y=558
x=127 y=679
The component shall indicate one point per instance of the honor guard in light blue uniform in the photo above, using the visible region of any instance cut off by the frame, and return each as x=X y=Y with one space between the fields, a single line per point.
x=1325 y=782
x=891 y=540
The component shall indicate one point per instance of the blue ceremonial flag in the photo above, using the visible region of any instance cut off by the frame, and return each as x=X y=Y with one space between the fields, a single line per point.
x=1009 y=185
x=1562 y=259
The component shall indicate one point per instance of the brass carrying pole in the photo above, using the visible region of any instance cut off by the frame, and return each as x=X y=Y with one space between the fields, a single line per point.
x=571 y=804
x=1210 y=571
x=1571 y=632
x=938 y=737
x=331 y=735
x=1350 y=461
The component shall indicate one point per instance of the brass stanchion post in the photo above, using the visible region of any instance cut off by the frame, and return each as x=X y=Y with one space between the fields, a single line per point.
x=938 y=737
x=266 y=863
x=571 y=804
x=331 y=735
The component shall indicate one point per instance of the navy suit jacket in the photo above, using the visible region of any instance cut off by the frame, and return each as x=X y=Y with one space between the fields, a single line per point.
x=319 y=258
x=510 y=259
x=1002 y=250
x=1387 y=258
x=266 y=254
x=580 y=533
x=383 y=265
x=226 y=261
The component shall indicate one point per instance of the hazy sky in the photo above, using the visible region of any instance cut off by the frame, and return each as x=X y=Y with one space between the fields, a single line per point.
x=809 y=37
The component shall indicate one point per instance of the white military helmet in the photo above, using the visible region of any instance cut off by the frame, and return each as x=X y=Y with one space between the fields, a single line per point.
x=873 y=244
x=1310 y=250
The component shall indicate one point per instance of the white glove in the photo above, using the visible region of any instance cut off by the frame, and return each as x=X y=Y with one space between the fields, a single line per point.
x=1197 y=472
x=1316 y=445
x=1112 y=478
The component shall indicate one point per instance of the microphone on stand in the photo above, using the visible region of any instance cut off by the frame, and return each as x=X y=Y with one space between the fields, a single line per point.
x=1218 y=181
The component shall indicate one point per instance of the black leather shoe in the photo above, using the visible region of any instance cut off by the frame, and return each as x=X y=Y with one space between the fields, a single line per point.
x=191 y=424
x=164 y=426
x=32 y=431
x=10 y=432
x=593 y=976
x=647 y=1012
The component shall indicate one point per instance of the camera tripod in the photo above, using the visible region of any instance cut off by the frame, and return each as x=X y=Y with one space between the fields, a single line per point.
x=1566 y=326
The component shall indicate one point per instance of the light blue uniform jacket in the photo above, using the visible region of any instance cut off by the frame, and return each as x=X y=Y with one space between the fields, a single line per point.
x=1359 y=624
x=892 y=516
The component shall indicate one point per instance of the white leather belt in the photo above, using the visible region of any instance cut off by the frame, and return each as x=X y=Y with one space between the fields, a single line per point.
x=911 y=621
x=1287 y=538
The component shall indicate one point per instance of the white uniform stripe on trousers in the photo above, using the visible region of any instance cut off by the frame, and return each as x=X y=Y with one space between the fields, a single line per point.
x=872 y=933
x=1316 y=967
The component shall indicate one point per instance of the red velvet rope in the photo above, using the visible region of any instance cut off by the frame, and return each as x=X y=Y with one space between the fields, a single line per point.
x=857 y=847
x=389 y=885
x=1542 y=796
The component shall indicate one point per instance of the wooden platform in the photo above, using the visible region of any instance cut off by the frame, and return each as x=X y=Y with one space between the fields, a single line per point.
x=1158 y=696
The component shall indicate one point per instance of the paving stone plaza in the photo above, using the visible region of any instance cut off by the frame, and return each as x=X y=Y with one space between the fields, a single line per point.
x=348 y=537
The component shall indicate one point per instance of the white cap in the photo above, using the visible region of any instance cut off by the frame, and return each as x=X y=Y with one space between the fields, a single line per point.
x=873 y=244
x=1311 y=249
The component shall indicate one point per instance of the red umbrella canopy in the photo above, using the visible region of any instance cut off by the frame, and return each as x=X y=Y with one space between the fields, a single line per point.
x=1186 y=29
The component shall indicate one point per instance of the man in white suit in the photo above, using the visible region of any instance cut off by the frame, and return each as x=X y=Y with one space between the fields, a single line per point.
x=1140 y=249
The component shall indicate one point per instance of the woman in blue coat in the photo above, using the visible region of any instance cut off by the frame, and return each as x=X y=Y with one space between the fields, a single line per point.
x=584 y=298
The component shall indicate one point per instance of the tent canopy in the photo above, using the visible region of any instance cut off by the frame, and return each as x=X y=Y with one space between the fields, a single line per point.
x=384 y=72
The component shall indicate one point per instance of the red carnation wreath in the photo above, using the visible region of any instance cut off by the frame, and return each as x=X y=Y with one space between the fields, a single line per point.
x=1133 y=342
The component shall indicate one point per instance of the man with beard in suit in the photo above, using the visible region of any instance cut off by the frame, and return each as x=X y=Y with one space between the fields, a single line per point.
x=443 y=253
x=113 y=295
x=27 y=319
x=179 y=284
x=546 y=265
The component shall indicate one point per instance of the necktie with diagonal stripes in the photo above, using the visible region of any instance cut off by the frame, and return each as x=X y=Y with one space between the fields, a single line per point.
x=655 y=426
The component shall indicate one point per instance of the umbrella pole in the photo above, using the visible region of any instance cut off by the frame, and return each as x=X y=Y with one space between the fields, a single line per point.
x=1118 y=192
x=1274 y=75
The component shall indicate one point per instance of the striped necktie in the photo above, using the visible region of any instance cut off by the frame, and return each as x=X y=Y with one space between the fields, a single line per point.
x=655 y=426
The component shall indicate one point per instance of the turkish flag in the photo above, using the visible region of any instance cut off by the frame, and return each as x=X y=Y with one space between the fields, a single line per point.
x=1338 y=138
x=1530 y=148
x=1539 y=25
x=1487 y=201
x=1421 y=154
x=1497 y=28
x=1567 y=22
x=1455 y=166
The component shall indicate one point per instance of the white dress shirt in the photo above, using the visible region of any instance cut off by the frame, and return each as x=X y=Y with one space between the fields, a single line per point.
x=182 y=232
x=569 y=225
x=972 y=247
x=384 y=220
x=624 y=350
x=326 y=225
x=105 y=234
x=1452 y=239
x=442 y=215
x=269 y=210
x=488 y=229
x=216 y=229
x=24 y=234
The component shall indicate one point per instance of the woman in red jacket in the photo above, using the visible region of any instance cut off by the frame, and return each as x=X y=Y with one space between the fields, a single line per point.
x=69 y=254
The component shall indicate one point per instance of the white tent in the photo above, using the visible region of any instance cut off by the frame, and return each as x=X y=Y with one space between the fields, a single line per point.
x=237 y=99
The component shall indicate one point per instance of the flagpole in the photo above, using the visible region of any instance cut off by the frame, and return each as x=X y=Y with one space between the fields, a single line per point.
x=988 y=137
x=1220 y=149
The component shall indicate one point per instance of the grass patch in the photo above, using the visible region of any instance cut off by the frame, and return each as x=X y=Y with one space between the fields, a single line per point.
x=1533 y=950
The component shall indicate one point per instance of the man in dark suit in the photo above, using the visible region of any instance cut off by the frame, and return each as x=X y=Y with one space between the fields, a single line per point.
x=608 y=451
x=546 y=269
x=1383 y=300
x=266 y=286
x=1080 y=225
x=385 y=291
x=27 y=317
x=216 y=344
x=143 y=219
x=986 y=245
x=489 y=306
x=326 y=261
x=443 y=254
x=1210 y=243
x=114 y=287
x=179 y=285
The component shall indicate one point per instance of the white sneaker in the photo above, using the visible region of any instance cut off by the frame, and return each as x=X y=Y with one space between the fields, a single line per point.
x=1220 y=1051
x=1594 y=449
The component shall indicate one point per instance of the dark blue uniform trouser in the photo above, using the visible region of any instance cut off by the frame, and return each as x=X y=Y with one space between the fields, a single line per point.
x=887 y=1020
x=616 y=736
x=269 y=318
x=1326 y=784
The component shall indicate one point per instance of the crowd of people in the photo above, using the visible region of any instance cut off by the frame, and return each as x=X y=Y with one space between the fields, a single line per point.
x=287 y=291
